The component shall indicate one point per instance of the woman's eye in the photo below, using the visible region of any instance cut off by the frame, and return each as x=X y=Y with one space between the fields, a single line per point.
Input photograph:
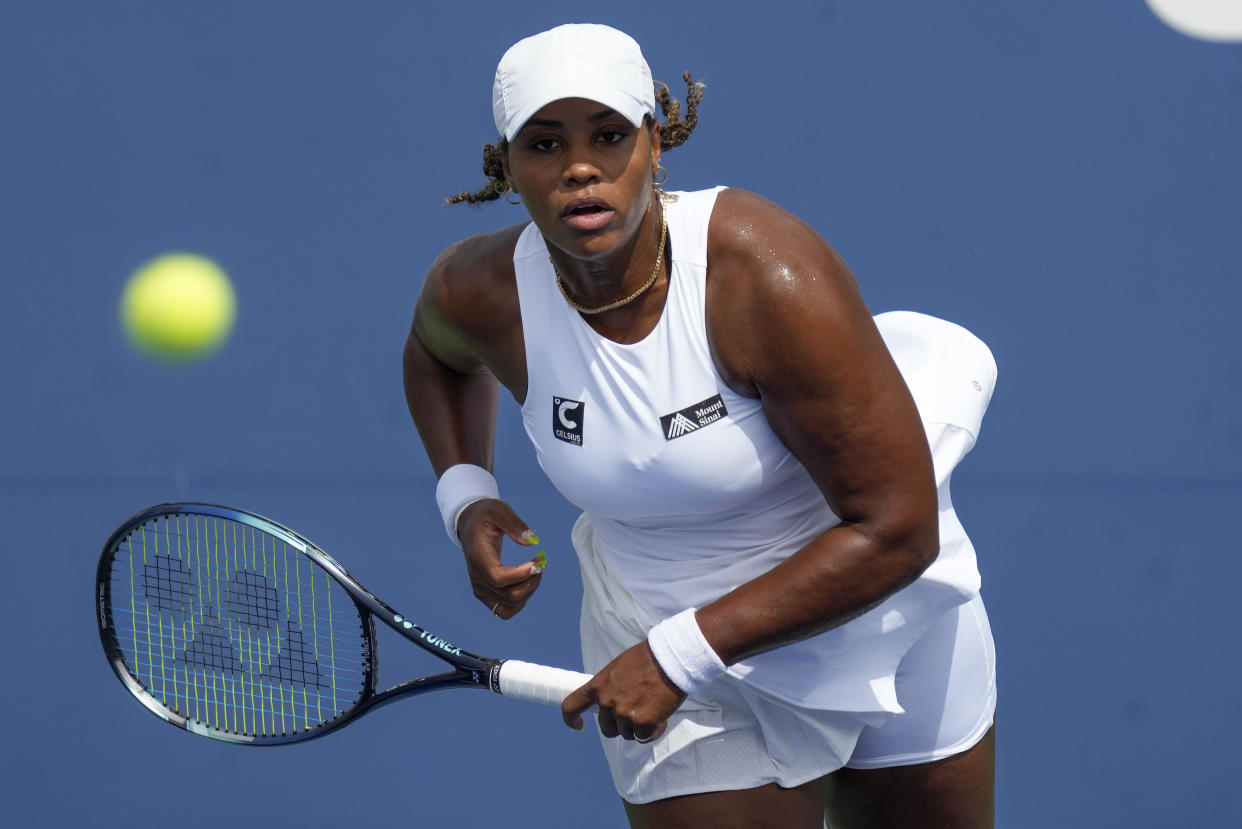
x=544 y=145
x=611 y=136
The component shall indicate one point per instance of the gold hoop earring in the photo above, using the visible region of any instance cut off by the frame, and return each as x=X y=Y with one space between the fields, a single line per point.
x=655 y=179
x=506 y=188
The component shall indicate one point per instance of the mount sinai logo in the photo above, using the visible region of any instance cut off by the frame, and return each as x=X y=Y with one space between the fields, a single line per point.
x=693 y=418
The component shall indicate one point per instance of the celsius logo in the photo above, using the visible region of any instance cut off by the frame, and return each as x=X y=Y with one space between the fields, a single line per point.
x=693 y=418
x=567 y=419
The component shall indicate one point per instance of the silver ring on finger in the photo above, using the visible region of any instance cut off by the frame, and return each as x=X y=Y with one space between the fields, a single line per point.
x=645 y=741
x=494 y=613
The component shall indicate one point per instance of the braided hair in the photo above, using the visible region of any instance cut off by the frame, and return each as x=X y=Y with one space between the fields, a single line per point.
x=673 y=133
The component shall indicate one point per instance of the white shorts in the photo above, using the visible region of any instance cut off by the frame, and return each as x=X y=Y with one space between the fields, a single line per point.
x=730 y=736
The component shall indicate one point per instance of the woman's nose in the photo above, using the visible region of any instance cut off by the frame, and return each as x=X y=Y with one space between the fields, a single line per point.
x=580 y=172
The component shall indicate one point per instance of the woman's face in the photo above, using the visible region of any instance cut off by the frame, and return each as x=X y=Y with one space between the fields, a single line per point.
x=584 y=174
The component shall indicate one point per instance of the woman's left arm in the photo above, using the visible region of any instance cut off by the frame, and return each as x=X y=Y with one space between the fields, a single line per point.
x=788 y=325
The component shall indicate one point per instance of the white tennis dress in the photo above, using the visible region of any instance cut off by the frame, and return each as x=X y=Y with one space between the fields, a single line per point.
x=687 y=492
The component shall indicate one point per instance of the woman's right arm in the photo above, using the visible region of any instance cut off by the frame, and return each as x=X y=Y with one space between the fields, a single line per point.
x=452 y=393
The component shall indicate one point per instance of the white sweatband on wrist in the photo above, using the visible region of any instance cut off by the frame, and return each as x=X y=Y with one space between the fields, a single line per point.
x=459 y=487
x=683 y=652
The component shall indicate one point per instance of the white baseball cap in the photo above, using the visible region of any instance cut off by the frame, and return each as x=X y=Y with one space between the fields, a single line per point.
x=577 y=60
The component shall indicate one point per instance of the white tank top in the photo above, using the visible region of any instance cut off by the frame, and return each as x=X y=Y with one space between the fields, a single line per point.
x=689 y=491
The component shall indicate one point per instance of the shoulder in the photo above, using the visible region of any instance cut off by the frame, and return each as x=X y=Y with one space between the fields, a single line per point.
x=747 y=226
x=771 y=279
x=475 y=263
x=468 y=304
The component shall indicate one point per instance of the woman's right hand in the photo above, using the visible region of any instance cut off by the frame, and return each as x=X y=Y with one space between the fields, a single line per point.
x=482 y=528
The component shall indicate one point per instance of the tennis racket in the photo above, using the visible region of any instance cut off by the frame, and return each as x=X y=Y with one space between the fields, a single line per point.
x=233 y=627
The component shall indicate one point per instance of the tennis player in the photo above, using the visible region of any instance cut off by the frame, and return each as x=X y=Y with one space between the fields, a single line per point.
x=781 y=609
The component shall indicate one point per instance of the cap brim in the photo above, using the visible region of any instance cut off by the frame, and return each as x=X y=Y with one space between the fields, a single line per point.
x=623 y=103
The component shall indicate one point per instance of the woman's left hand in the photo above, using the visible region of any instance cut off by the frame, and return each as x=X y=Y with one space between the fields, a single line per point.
x=634 y=696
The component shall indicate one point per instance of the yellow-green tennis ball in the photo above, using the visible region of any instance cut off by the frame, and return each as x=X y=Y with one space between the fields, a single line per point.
x=178 y=308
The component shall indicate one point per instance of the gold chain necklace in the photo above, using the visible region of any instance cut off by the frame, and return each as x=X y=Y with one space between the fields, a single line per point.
x=582 y=309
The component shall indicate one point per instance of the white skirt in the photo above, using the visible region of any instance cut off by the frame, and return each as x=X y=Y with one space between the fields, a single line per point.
x=729 y=735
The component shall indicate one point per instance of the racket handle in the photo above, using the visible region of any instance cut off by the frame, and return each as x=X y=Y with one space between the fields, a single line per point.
x=537 y=683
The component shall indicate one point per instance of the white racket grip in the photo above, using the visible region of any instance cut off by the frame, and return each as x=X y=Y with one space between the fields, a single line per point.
x=538 y=683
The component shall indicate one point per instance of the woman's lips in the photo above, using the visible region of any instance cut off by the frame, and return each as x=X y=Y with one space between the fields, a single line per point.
x=587 y=214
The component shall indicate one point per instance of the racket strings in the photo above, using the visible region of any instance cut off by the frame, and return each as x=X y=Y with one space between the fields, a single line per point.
x=234 y=629
x=297 y=663
x=166 y=584
x=251 y=601
x=211 y=649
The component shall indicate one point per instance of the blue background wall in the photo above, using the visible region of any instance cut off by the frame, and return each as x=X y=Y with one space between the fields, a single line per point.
x=1061 y=177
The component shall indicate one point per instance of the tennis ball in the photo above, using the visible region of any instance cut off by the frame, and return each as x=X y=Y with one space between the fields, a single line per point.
x=178 y=308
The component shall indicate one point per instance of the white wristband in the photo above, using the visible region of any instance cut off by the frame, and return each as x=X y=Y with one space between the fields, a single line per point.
x=683 y=652
x=459 y=487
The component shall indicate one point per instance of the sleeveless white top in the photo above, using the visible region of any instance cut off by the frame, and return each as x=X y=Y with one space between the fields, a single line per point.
x=689 y=491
